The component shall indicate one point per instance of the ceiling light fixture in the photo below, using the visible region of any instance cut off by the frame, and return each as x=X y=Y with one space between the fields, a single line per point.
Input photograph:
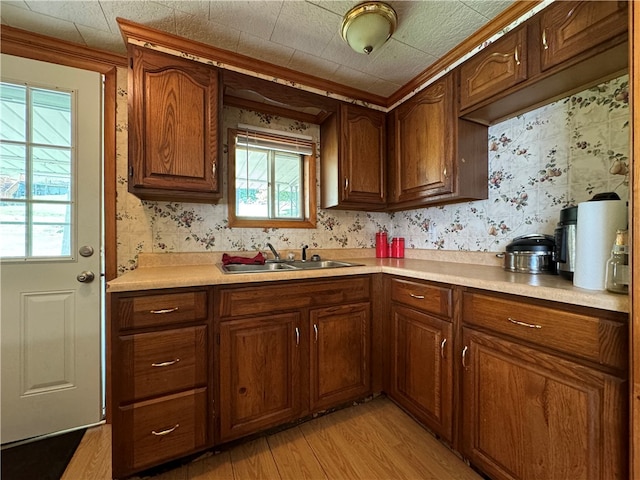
x=366 y=27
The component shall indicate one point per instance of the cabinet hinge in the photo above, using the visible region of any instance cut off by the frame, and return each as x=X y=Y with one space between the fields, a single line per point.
x=217 y=338
x=131 y=63
x=131 y=171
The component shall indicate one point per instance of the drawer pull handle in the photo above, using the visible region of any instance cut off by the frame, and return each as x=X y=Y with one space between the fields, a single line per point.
x=442 y=344
x=516 y=56
x=315 y=330
x=545 y=45
x=518 y=322
x=164 y=310
x=164 y=432
x=297 y=336
x=165 y=364
x=419 y=297
x=464 y=356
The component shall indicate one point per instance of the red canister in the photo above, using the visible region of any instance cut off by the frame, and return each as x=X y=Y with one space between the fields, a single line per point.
x=397 y=247
x=381 y=245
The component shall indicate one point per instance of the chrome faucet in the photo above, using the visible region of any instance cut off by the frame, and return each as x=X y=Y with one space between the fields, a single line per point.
x=304 y=253
x=273 y=250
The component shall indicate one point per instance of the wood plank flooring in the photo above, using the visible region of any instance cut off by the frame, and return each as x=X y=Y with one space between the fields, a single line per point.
x=374 y=440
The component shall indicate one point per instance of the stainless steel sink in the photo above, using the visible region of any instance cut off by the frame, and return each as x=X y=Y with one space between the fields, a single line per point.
x=286 y=266
x=310 y=265
x=267 y=267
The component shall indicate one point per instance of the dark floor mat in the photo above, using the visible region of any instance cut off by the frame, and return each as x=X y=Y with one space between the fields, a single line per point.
x=44 y=459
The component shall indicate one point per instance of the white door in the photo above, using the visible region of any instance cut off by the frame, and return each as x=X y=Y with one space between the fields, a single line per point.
x=50 y=221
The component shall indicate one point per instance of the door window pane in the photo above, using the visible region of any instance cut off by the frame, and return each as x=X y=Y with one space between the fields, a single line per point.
x=13 y=218
x=51 y=117
x=13 y=108
x=51 y=174
x=13 y=165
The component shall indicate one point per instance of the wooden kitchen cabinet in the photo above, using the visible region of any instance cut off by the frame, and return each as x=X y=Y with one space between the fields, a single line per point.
x=497 y=67
x=174 y=128
x=289 y=349
x=421 y=379
x=353 y=159
x=570 y=28
x=340 y=358
x=567 y=47
x=259 y=373
x=161 y=376
x=434 y=157
x=544 y=389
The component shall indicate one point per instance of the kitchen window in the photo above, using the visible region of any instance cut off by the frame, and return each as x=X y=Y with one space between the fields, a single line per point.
x=271 y=179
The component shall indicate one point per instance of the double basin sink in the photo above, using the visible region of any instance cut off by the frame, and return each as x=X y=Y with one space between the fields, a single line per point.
x=286 y=266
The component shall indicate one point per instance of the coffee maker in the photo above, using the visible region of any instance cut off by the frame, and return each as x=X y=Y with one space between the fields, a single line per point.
x=564 y=252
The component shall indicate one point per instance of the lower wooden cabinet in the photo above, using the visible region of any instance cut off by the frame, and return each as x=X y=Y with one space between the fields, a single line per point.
x=161 y=377
x=307 y=351
x=528 y=414
x=340 y=338
x=421 y=368
x=259 y=373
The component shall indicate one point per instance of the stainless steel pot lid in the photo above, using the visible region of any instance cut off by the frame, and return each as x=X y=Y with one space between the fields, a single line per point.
x=534 y=242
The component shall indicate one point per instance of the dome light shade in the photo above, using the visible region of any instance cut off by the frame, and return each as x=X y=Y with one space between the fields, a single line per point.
x=366 y=27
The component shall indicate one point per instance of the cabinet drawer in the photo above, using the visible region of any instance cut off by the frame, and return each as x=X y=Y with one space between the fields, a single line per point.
x=162 y=362
x=162 y=429
x=426 y=298
x=161 y=309
x=585 y=333
x=285 y=296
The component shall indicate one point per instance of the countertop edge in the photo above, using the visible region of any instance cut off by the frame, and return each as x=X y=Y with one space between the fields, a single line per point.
x=490 y=278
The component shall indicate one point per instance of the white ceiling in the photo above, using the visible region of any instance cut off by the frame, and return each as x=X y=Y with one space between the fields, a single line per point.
x=300 y=35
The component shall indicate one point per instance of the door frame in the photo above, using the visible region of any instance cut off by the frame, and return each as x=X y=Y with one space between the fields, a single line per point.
x=25 y=44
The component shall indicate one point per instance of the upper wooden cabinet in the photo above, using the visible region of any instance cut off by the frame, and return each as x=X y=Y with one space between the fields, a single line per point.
x=434 y=157
x=499 y=66
x=568 y=29
x=568 y=46
x=353 y=150
x=174 y=108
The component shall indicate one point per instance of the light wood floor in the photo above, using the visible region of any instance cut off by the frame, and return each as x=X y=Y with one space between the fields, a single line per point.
x=374 y=440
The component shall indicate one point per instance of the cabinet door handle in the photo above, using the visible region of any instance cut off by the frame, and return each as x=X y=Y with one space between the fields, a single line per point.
x=442 y=344
x=164 y=432
x=464 y=356
x=545 y=45
x=164 y=310
x=346 y=183
x=297 y=336
x=419 y=297
x=518 y=322
x=444 y=172
x=516 y=56
x=315 y=330
x=166 y=364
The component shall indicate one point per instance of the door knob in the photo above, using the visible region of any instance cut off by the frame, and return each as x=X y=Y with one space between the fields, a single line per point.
x=86 y=277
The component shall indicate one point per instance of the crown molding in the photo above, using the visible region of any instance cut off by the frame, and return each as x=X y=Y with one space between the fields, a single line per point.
x=35 y=46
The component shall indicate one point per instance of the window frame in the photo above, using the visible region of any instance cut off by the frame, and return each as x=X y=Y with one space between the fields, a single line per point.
x=309 y=186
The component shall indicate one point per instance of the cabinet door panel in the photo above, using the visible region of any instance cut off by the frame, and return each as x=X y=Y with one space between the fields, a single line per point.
x=174 y=108
x=421 y=367
x=259 y=384
x=424 y=146
x=568 y=29
x=494 y=69
x=363 y=141
x=339 y=354
x=529 y=415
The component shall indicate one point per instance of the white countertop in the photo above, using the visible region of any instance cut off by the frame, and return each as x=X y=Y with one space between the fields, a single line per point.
x=186 y=270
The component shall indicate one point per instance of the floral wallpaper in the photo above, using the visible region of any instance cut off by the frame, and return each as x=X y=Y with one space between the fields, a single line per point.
x=539 y=162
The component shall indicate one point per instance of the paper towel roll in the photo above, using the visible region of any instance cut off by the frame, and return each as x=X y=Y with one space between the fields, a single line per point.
x=596 y=232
